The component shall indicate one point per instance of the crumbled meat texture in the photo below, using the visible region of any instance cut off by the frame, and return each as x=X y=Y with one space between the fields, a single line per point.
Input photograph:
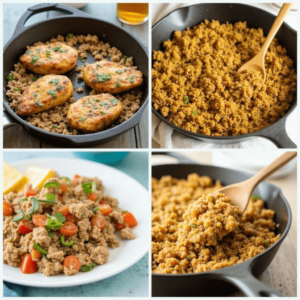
x=54 y=119
x=176 y=203
x=90 y=243
x=195 y=84
x=127 y=234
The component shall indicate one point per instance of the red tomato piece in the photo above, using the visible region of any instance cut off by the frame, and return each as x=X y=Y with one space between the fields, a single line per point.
x=98 y=222
x=59 y=197
x=64 y=210
x=25 y=226
x=39 y=220
x=105 y=209
x=68 y=228
x=8 y=209
x=129 y=220
x=30 y=192
x=71 y=262
x=28 y=266
x=63 y=187
x=71 y=218
x=92 y=196
x=75 y=179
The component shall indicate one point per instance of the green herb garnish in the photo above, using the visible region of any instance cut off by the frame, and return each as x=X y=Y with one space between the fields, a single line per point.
x=44 y=254
x=95 y=209
x=103 y=113
x=62 y=240
x=19 y=217
x=125 y=211
x=131 y=79
x=33 y=79
x=240 y=87
x=38 y=248
x=54 y=81
x=119 y=71
x=49 y=232
x=38 y=50
x=34 y=206
x=188 y=257
x=48 y=53
x=89 y=187
x=23 y=200
x=186 y=99
x=35 y=95
x=68 y=180
x=118 y=84
x=10 y=77
x=17 y=90
x=82 y=59
x=88 y=268
x=52 y=93
x=54 y=126
x=58 y=49
x=103 y=77
x=39 y=103
x=255 y=197
x=51 y=184
x=70 y=35
x=34 y=59
x=194 y=226
x=82 y=119
x=114 y=101
x=87 y=103
x=124 y=59
x=194 y=113
x=37 y=86
x=29 y=52
x=98 y=66
x=265 y=243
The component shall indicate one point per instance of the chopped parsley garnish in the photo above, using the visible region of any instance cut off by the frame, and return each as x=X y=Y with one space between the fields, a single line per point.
x=17 y=90
x=38 y=50
x=114 y=101
x=87 y=103
x=124 y=211
x=131 y=79
x=88 y=268
x=98 y=66
x=102 y=103
x=265 y=243
x=188 y=257
x=33 y=79
x=103 y=113
x=124 y=59
x=82 y=119
x=54 y=126
x=48 y=53
x=52 y=93
x=186 y=99
x=35 y=95
x=82 y=59
x=54 y=81
x=194 y=113
x=255 y=197
x=95 y=209
x=29 y=52
x=34 y=59
x=39 y=103
x=240 y=87
x=10 y=77
x=103 y=77
x=70 y=35
x=37 y=86
x=119 y=71
x=118 y=84
x=192 y=225
x=58 y=49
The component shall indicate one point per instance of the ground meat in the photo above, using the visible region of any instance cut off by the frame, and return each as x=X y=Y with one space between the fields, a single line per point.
x=222 y=237
x=90 y=243
x=127 y=234
x=54 y=120
x=195 y=84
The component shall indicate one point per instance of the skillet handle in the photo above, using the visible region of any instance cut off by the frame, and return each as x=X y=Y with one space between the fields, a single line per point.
x=278 y=135
x=8 y=121
x=43 y=8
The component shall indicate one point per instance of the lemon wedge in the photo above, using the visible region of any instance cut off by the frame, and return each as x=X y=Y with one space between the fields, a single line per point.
x=13 y=180
x=38 y=176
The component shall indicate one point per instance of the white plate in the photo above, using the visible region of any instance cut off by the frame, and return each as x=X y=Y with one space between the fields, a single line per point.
x=132 y=196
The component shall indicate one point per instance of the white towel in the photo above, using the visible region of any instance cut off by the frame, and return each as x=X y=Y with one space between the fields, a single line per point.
x=165 y=136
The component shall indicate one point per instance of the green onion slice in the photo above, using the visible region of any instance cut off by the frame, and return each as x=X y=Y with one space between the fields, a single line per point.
x=51 y=184
x=34 y=206
x=192 y=225
x=124 y=211
x=38 y=248
x=46 y=257
x=19 y=217
x=89 y=187
x=62 y=239
x=95 y=209
x=88 y=268
x=68 y=180
x=23 y=200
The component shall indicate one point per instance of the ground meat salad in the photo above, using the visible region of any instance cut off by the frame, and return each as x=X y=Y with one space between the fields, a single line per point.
x=195 y=229
x=195 y=84
x=54 y=119
x=66 y=227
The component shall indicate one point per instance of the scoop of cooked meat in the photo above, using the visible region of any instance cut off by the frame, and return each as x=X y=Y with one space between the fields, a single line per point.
x=93 y=113
x=109 y=77
x=56 y=58
x=46 y=92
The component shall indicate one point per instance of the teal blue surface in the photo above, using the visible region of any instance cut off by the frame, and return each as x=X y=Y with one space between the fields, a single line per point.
x=132 y=282
x=109 y=158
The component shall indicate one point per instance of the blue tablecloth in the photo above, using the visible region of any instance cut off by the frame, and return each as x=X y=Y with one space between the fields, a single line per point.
x=134 y=165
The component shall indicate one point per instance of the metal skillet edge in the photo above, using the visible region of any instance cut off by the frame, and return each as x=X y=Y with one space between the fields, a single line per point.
x=276 y=132
x=241 y=278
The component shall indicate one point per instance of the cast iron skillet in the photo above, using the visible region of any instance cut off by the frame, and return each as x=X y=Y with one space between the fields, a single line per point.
x=76 y=22
x=190 y=16
x=224 y=282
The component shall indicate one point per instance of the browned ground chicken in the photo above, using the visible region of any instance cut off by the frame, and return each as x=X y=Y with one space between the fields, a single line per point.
x=195 y=85
x=222 y=236
x=90 y=243
x=54 y=120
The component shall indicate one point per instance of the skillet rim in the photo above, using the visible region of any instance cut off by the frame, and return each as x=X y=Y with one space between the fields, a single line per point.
x=90 y=137
x=234 y=137
x=252 y=260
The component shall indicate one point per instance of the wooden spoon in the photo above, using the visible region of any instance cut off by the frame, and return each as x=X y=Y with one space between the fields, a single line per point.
x=258 y=61
x=240 y=193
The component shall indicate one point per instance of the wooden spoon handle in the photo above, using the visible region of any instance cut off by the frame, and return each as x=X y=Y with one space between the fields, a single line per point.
x=274 y=166
x=276 y=25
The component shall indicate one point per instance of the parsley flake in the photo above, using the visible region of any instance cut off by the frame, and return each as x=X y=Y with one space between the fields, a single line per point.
x=52 y=93
x=103 y=77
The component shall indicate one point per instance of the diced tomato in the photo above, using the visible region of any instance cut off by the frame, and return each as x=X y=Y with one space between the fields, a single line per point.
x=36 y=254
x=98 y=222
x=39 y=220
x=28 y=265
x=129 y=220
x=68 y=228
x=63 y=187
x=71 y=218
x=71 y=262
x=25 y=226
x=105 y=209
x=103 y=202
x=8 y=209
x=92 y=196
x=59 y=197
x=75 y=179
x=64 y=210
x=30 y=192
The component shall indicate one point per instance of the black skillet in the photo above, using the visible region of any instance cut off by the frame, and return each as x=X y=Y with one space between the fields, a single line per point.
x=255 y=17
x=75 y=22
x=226 y=281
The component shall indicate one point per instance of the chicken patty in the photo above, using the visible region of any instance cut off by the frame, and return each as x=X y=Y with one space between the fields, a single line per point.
x=93 y=113
x=110 y=77
x=56 y=58
x=46 y=92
